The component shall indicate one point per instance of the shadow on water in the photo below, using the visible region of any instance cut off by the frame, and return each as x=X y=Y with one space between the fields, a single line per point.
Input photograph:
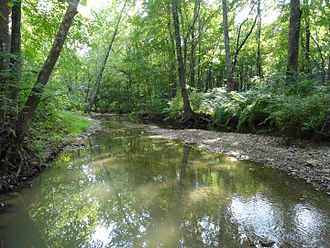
x=127 y=188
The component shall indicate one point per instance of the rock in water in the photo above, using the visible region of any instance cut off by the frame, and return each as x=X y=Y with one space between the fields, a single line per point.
x=2 y=206
x=266 y=242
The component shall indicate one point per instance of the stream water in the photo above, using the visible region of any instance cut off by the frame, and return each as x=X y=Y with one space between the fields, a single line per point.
x=127 y=188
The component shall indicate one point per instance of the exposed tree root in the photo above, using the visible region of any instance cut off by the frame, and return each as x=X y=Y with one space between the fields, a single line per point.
x=183 y=121
x=193 y=120
x=17 y=162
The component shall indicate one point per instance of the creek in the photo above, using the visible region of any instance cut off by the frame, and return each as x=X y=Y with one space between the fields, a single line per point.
x=128 y=188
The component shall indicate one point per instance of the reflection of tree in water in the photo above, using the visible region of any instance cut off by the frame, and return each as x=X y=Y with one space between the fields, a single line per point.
x=136 y=191
x=13 y=235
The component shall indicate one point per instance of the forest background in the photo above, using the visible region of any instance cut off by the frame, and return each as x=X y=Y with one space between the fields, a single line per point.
x=249 y=66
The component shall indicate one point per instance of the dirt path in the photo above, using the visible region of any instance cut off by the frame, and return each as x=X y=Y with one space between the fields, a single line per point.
x=301 y=159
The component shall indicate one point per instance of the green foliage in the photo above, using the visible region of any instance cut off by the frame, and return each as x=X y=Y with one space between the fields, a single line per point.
x=74 y=123
x=142 y=67
x=175 y=106
x=153 y=107
x=299 y=109
x=254 y=113
x=51 y=127
x=302 y=115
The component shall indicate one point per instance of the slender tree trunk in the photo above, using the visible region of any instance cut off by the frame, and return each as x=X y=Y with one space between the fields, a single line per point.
x=27 y=114
x=259 y=65
x=99 y=78
x=192 y=59
x=4 y=39
x=190 y=32
x=16 y=55
x=4 y=59
x=240 y=46
x=229 y=64
x=322 y=66
x=182 y=77
x=199 y=80
x=329 y=68
x=293 y=50
x=308 y=37
x=172 y=74
x=208 y=83
x=307 y=49
x=173 y=78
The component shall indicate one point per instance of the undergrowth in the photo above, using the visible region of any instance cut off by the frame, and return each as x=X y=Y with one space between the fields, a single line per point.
x=297 y=110
x=51 y=128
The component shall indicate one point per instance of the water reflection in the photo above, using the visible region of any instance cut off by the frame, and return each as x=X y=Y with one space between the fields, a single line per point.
x=310 y=225
x=256 y=216
x=128 y=189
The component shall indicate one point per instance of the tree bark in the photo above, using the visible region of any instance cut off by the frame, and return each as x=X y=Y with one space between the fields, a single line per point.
x=240 y=46
x=107 y=54
x=4 y=59
x=259 y=63
x=172 y=74
x=199 y=80
x=15 y=54
x=322 y=66
x=182 y=77
x=191 y=32
x=4 y=38
x=192 y=59
x=28 y=113
x=329 y=68
x=293 y=50
x=308 y=37
x=229 y=64
x=194 y=42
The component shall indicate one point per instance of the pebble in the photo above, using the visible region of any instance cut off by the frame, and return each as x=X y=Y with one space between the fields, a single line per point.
x=303 y=162
x=311 y=163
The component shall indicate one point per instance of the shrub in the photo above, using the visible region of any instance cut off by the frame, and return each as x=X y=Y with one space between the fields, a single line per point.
x=301 y=109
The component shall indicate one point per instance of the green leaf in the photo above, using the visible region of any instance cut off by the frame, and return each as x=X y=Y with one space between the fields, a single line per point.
x=10 y=4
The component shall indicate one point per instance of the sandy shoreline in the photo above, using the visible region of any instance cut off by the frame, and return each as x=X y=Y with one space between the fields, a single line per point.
x=301 y=159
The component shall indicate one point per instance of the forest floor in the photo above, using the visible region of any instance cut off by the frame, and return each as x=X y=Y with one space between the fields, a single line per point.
x=301 y=159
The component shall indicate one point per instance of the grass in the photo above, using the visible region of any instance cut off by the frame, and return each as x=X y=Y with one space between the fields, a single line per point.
x=75 y=123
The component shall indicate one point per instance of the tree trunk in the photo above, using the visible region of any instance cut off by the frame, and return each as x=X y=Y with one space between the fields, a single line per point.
x=199 y=80
x=322 y=66
x=99 y=78
x=33 y=100
x=293 y=50
x=15 y=55
x=172 y=74
x=259 y=65
x=4 y=58
x=182 y=77
x=4 y=39
x=307 y=49
x=208 y=83
x=308 y=37
x=329 y=68
x=229 y=64
x=192 y=59
x=240 y=46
